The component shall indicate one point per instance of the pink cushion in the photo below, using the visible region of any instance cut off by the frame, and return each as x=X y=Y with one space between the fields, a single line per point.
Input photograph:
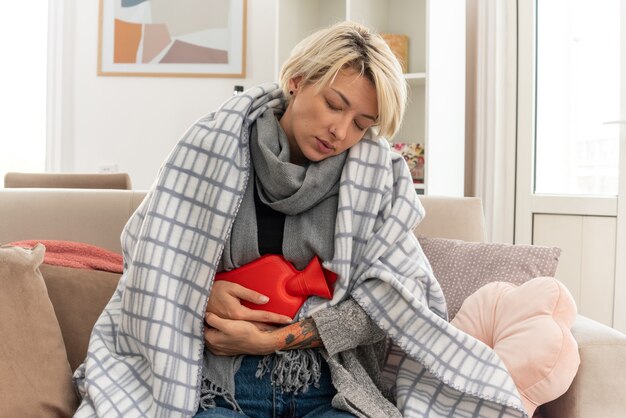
x=529 y=328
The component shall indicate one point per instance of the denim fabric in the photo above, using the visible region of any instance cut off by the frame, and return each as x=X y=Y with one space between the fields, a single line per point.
x=258 y=398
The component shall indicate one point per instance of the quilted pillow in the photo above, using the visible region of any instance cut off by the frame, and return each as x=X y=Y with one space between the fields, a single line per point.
x=528 y=326
x=464 y=267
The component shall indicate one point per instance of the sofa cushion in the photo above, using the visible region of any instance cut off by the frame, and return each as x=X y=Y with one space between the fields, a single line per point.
x=35 y=377
x=464 y=267
x=78 y=296
x=528 y=326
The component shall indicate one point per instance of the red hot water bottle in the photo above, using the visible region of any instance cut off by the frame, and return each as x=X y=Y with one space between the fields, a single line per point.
x=275 y=277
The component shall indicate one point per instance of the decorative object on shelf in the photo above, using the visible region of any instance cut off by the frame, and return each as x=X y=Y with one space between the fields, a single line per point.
x=172 y=39
x=399 y=45
x=414 y=156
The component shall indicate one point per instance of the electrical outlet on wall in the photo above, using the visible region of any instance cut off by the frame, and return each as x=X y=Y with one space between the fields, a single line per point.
x=107 y=168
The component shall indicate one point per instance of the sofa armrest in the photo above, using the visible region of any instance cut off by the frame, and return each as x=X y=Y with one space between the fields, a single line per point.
x=598 y=390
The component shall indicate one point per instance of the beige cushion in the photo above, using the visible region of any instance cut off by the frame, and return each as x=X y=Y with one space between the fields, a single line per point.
x=452 y=217
x=35 y=377
x=464 y=267
x=78 y=296
x=599 y=389
x=95 y=217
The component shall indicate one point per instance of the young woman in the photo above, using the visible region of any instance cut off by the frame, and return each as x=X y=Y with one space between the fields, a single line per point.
x=298 y=153
x=303 y=171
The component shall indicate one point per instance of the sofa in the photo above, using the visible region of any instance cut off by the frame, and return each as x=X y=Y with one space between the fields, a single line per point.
x=68 y=180
x=97 y=217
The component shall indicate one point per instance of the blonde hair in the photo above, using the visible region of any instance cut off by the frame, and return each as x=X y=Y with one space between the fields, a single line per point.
x=319 y=57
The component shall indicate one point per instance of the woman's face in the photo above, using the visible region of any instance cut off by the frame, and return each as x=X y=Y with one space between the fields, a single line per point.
x=320 y=125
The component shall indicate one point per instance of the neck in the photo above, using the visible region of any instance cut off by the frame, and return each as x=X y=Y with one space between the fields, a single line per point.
x=295 y=155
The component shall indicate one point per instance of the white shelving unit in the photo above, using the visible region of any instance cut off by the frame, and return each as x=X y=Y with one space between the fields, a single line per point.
x=435 y=115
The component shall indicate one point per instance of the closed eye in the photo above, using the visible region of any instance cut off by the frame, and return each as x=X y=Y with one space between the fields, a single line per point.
x=332 y=106
x=363 y=123
x=359 y=127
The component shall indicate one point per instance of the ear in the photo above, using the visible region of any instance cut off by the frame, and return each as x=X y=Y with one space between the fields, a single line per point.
x=295 y=83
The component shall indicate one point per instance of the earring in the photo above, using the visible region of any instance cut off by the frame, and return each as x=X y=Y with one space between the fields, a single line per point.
x=291 y=92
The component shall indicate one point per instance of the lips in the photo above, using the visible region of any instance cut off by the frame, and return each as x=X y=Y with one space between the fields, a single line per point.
x=324 y=147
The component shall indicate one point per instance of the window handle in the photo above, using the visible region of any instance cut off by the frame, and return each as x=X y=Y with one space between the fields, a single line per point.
x=615 y=122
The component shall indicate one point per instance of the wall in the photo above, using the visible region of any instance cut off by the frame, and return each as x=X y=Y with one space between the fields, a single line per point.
x=135 y=121
x=587 y=261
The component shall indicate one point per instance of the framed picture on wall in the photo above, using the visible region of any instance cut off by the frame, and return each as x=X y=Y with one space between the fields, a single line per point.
x=165 y=38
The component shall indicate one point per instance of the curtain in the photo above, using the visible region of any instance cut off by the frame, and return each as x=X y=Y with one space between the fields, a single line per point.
x=492 y=81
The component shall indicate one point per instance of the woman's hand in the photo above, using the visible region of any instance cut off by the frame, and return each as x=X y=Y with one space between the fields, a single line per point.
x=228 y=337
x=225 y=302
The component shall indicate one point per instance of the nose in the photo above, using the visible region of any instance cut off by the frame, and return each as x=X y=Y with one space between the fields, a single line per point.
x=339 y=129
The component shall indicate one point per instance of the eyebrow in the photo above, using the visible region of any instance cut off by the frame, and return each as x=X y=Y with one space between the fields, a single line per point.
x=347 y=102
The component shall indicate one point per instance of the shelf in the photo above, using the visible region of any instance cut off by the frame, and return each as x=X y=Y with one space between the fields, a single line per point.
x=415 y=76
x=415 y=79
x=435 y=78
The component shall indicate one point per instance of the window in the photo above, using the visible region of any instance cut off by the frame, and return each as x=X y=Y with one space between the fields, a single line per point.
x=578 y=87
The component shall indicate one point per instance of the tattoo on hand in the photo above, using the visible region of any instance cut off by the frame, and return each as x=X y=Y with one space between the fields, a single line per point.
x=303 y=334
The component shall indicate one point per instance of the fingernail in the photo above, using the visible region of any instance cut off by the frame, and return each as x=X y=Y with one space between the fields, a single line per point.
x=263 y=299
x=288 y=320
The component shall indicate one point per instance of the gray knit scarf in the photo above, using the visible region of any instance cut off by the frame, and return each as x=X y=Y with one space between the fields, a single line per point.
x=308 y=196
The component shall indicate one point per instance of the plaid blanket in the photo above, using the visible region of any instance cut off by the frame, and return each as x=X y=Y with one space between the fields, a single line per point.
x=146 y=349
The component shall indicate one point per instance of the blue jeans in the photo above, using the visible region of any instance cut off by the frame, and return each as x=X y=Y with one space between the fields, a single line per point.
x=258 y=398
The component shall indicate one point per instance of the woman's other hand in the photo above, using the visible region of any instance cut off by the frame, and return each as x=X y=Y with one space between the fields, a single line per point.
x=225 y=302
x=228 y=337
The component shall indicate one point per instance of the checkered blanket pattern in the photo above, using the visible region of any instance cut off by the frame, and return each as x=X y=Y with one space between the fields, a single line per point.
x=145 y=352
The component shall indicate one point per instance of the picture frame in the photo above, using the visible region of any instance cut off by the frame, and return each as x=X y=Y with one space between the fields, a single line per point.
x=162 y=38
